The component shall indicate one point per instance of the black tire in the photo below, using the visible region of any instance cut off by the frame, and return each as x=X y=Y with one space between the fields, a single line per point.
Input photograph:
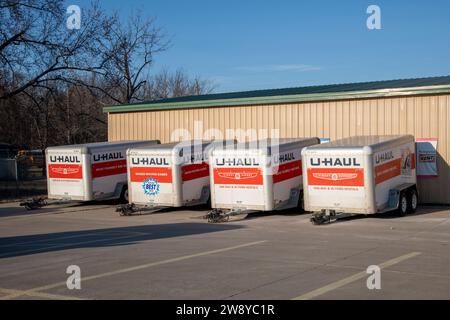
x=301 y=203
x=403 y=204
x=124 y=195
x=413 y=201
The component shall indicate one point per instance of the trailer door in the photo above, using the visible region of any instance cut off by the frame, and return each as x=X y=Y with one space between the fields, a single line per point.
x=108 y=168
x=65 y=174
x=238 y=181
x=152 y=179
x=336 y=182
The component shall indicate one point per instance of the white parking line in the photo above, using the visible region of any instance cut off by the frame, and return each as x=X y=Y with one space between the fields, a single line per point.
x=36 y=295
x=360 y=275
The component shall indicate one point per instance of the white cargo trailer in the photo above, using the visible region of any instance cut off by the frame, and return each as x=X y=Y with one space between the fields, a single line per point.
x=360 y=175
x=262 y=175
x=168 y=175
x=86 y=172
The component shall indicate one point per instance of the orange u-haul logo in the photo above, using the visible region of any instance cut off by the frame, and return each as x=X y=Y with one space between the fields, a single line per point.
x=248 y=176
x=65 y=171
x=348 y=177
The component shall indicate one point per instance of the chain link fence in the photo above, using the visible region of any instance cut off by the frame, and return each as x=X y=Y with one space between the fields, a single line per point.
x=23 y=175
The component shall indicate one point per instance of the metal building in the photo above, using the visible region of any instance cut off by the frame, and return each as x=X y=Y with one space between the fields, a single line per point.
x=413 y=106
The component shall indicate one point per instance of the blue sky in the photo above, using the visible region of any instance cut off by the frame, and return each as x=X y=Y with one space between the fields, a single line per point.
x=249 y=44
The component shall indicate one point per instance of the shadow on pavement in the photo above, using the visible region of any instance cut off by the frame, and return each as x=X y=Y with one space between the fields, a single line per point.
x=121 y=236
x=422 y=210
x=6 y=210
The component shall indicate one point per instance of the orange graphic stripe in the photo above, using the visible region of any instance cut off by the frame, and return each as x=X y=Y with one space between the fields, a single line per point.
x=160 y=174
x=348 y=177
x=287 y=171
x=388 y=170
x=240 y=176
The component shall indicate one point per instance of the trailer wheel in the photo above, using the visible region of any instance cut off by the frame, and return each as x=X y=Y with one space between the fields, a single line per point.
x=124 y=195
x=301 y=204
x=403 y=205
x=413 y=200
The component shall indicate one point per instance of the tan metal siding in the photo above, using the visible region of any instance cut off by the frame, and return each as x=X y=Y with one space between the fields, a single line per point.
x=422 y=116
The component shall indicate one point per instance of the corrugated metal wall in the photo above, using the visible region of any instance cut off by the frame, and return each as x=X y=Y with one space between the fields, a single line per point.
x=422 y=116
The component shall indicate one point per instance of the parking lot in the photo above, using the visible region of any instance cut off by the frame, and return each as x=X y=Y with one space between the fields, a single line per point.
x=176 y=254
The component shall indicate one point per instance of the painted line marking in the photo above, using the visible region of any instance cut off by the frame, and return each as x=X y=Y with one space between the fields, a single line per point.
x=358 y=276
x=135 y=268
x=36 y=295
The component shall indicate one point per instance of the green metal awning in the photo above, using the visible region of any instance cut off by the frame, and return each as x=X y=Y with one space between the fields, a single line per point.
x=376 y=89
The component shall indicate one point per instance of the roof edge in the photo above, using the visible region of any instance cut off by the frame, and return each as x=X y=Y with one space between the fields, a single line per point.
x=380 y=93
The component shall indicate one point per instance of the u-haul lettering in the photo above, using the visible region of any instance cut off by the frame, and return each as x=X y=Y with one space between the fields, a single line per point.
x=237 y=162
x=65 y=159
x=149 y=161
x=107 y=156
x=282 y=158
x=384 y=157
x=335 y=162
x=337 y=171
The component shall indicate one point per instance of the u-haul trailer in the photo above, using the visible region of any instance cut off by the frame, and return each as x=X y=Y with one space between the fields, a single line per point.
x=263 y=175
x=360 y=175
x=86 y=172
x=168 y=175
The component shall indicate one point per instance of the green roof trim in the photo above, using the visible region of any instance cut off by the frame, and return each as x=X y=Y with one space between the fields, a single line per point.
x=378 y=89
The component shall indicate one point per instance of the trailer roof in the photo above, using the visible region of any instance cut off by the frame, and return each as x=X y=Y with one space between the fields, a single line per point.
x=94 y=145
x=344 y=91
x=172 y=145
x=262 y=143
x=365 y=141
x=268 y=145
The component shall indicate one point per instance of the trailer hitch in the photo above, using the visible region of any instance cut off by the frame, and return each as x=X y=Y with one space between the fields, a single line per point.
x=127 y=209
x=217 y=216
x=220 y=215
x=33 y=204
x=131 y=209
x=327 y=216
x=320 y=218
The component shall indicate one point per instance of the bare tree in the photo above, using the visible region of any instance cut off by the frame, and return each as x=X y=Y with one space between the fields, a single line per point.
x=54 y=81
x=166 y=84
x=129 y=51
x=36 y=48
